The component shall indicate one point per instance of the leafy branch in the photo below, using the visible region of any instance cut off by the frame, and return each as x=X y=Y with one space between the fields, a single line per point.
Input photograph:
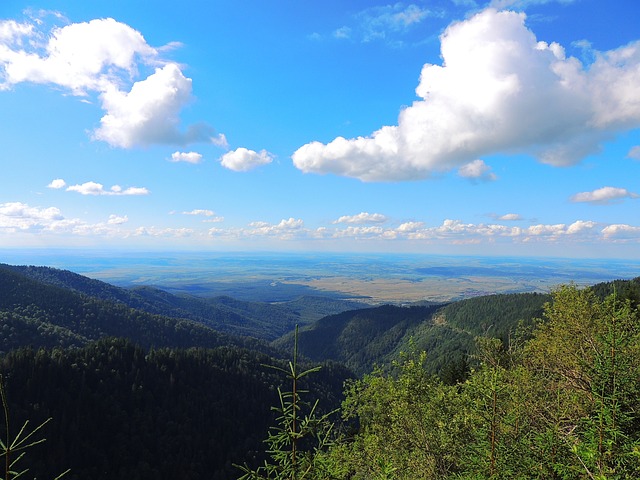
x=13 y=449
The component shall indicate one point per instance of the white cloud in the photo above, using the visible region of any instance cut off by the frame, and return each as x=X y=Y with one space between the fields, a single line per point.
x=12 y=31
x=117 y=220
x=580 y=226
x=634 y=153
x=243 y=160
x=163 y=232
x=521 y=4
x=20 y=216
x=197 y=211
x=50 y=223
x=210 y=215
x=287 y=228
x=621 y=231
x=93 y=188
x=220 y=140
x=510 y=217
x=148 y=114
x=342 y=33
x=382 y=21
x=477 y=170
x=604 y=195
x=409 y=227
x=57 y=184
x=363 y=217
x=360 y=232
x=189 y=157
x=498 y=90
x=103 y=56
x=81 y=56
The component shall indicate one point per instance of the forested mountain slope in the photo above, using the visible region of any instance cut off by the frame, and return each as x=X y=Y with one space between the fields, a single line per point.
x=359 y=338
x=362 y=338
x=121 y=412
x=40 y=314
x=256 y=319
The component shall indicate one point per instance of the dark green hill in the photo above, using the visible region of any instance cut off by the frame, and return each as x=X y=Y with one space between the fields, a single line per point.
x=366 y=337
x=623 y=289
x=40 y=314
x=495 y=315
x=359 y=338
x=119 y=411
x=222 y=313
x=170 y=398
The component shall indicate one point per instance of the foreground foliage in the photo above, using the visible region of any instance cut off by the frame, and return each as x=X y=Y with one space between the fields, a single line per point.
x=301 y=435
x=120 y=411
x=560 y=402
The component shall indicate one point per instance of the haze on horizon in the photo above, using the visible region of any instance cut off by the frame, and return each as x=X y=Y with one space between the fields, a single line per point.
x=503 y=127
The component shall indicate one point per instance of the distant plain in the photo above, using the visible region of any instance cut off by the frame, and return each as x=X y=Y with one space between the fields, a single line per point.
x=372 y=278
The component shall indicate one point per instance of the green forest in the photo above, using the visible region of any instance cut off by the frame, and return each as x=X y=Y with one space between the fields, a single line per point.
x=139 y=384
x=559 y=400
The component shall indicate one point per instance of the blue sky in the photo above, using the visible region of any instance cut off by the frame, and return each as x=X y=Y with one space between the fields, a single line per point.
x=451 y=126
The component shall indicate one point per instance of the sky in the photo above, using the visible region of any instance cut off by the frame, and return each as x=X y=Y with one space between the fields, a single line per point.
x=502 y=127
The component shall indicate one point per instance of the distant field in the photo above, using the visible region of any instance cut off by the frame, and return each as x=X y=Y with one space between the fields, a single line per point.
x=372 y=278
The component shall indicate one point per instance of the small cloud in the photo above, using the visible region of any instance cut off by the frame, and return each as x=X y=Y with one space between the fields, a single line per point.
x=94 y=188
x=603 y=196
x=189 y=157
x=580 y=226
x=243 y=160
x=477 y=170
x=117 y=220
x=522 y=4
x=342 y=33
x=220 y=140
x=381 y=22
x=57 y=184
x=621 y=231
x=510 y=217
x=209 y=214
x=206 y=213
x=634 y=153
x=286 y=229
x=363 y=217
x=163 y=232
x=410 y=227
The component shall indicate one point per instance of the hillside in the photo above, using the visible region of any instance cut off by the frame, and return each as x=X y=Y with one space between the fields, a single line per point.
x=362 y=338
x=222 y=313
x=39 y=314
x=172 y=397
x=168 y=398
x=120 y=411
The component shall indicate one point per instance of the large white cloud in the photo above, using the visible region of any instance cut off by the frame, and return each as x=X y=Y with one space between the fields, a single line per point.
x=104 y=56
x=81 y=56
x=148 y=113
x=498 y=89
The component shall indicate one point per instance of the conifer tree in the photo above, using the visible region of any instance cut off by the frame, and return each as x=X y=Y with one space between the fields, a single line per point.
x=300 y=435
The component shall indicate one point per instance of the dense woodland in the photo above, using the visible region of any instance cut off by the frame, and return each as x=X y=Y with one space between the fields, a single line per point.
x=141 y=385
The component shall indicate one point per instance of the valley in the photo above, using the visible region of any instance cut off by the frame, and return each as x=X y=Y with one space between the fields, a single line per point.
x=370 y=278
x=128 y=369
